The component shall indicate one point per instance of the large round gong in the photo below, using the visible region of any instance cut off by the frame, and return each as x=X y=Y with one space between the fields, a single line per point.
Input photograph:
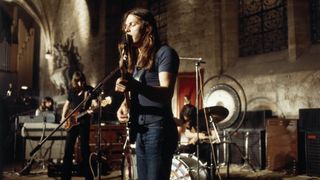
x=226 y=96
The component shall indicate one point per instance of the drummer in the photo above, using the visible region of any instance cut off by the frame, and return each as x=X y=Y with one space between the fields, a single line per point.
x=187 y=130
x=189 y=137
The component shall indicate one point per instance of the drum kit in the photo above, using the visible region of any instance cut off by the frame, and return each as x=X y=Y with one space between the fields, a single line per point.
x=184 y=166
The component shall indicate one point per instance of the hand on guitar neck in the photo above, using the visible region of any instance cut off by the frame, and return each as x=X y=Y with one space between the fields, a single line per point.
x=73 y=120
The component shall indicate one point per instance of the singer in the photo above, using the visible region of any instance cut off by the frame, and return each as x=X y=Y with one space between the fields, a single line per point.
x=150 y=79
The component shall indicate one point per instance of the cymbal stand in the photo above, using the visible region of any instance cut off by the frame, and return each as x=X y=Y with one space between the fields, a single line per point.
x=227 y=147
x=212 y=141
x=246 y=151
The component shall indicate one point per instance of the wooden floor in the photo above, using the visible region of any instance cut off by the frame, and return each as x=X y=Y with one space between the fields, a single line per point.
x=235 y=172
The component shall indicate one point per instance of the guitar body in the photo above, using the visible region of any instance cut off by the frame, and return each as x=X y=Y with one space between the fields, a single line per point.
x=133 y=126
x=72 y=121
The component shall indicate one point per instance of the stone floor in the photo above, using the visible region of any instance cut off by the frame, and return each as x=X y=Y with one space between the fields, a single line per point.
x=235 y=172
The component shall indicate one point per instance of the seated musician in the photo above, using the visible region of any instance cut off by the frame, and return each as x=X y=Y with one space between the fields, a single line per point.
x=187 y=130
x=189 y=138
x=46 y=105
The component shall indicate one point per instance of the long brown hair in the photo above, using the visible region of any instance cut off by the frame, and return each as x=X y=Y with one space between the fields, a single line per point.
x=76 y=77
x=151 y=41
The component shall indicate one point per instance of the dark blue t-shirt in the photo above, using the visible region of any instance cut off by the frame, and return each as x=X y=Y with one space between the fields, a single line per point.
x=167 y=60
x=75 y=100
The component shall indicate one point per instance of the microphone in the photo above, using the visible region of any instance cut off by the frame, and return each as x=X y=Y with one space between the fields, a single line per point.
x=127 y=42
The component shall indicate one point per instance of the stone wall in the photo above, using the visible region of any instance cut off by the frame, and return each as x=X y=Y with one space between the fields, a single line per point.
x=282 y=81
x=71 y=20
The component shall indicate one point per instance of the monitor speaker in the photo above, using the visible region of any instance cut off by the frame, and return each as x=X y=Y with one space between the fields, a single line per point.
x=309 y=121
x=312 y=153
x=282 y=153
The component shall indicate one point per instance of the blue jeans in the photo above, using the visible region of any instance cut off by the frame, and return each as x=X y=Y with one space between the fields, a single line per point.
x=154 y=150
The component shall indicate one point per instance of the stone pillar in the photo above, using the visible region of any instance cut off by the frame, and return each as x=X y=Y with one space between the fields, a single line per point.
x=229 y=33
x=299 y=38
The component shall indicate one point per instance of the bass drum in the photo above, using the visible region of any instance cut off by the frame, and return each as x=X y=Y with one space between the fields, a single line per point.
x=184 y=166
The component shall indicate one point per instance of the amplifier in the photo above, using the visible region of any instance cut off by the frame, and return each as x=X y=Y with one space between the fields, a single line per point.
x=309 y=119
x=282 y=143
x=312 y=153
x=112 y=140
x=53 y=148
x=42 y=117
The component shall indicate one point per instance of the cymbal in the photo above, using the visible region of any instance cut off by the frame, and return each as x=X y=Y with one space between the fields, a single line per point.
x=218 y=113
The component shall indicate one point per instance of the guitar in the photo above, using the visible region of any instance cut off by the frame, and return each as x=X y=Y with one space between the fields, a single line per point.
x=73 y=120
x=126 y=57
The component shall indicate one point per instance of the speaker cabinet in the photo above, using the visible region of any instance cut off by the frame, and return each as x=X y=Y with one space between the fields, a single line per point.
x=51 y=149
x=282 y=153
x=312 y=153
x=309 y=121
x=256 y=119
x=112 y=140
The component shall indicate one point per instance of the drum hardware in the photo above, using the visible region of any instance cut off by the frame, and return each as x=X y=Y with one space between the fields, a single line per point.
x=227 y=91
x=184 y=166
x=226 y=143
x=216 y=113
x=128 y=169
x=129 y=162
x=246 y=152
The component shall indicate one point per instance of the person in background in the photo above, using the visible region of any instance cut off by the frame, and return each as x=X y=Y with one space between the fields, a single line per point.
x=47 y=104
x=150 y=79
x=77 y=93
x=188 y=131
x=189 y=138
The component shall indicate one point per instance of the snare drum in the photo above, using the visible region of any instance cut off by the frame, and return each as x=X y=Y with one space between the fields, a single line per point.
x=184 y=166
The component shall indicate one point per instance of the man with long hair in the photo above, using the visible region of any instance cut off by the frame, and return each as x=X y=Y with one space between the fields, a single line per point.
x=151 y=77
x=79 y=90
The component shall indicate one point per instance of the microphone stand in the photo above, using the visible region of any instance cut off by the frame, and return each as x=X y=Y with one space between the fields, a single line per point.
x=105 y=79
x=197 y=61
x=98 y=143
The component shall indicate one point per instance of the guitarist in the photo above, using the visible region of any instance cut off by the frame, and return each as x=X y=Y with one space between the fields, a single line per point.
x=78 y=91
x=154 y=69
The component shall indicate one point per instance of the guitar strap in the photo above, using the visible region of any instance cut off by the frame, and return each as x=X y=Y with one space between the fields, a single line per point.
x=137 y=75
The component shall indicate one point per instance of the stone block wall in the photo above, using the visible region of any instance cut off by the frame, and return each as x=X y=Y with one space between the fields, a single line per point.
x=283 y=81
